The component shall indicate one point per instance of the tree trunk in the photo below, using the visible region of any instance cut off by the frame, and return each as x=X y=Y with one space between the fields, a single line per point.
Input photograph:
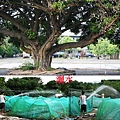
x=42 y=61
x=45 y=62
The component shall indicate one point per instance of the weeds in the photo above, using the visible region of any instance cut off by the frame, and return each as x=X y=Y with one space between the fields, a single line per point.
x=27 y=66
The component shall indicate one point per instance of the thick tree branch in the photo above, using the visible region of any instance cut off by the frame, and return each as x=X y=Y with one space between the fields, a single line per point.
x=51 y=40
x=12 y=20
x=35 y=5
x=87 y=41
x=48 y=27
x=24 y=16
x=23 y=39
x=103 y=31
x=12 y=34
x=22 y=46
x=36 y=24
x=74 y=24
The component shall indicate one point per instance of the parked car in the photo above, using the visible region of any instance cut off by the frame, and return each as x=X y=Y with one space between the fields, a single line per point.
x=0 y=56
x=77 y=55
x=87 y=54
x=26 y=55
x=58 y=54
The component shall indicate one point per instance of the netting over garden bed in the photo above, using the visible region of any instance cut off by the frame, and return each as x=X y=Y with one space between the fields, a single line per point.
x=44 y=108
x=109 y=110
x=50 y=107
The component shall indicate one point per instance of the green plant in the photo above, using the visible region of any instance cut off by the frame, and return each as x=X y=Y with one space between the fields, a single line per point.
x=27 y=66
x=36 y=65
x=30 y=34
x=50 y=69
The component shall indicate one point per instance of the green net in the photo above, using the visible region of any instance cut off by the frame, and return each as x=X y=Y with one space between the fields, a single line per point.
x=109 y=110
x=27 y=105
x=96 y=101
x=43 y=107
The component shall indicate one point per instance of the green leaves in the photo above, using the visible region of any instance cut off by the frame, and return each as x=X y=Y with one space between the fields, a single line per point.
x=104 y=47
x=109 y=5
x=31 y=35
x=65 y=39
x=27 y=66
x=7 y=49
x=58 y=6
x=94 y=27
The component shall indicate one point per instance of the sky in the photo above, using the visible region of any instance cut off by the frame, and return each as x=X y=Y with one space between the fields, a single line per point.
x=88 y=79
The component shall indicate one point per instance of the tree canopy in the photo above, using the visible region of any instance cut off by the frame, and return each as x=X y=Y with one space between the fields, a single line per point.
x=36 y=25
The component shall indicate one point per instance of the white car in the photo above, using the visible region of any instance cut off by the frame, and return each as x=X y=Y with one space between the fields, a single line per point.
x=26 y=55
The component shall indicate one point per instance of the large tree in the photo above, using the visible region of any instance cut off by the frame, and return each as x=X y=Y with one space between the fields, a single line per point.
x=36 y=24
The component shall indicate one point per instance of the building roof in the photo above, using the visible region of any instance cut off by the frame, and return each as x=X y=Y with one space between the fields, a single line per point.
x=71 y=34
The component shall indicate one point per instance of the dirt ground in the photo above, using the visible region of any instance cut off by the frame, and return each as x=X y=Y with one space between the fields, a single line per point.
x=88 y=116
x=17 y=118
x=37 y=72
x=65 y=72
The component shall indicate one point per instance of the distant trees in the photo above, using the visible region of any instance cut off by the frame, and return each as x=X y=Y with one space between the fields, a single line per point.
x=103 y=47
x=15 y=86
x=3 y=86
x=112 y=83
x=25 y=83
x=8 y=49
x=52 y=85
x=2 y=83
